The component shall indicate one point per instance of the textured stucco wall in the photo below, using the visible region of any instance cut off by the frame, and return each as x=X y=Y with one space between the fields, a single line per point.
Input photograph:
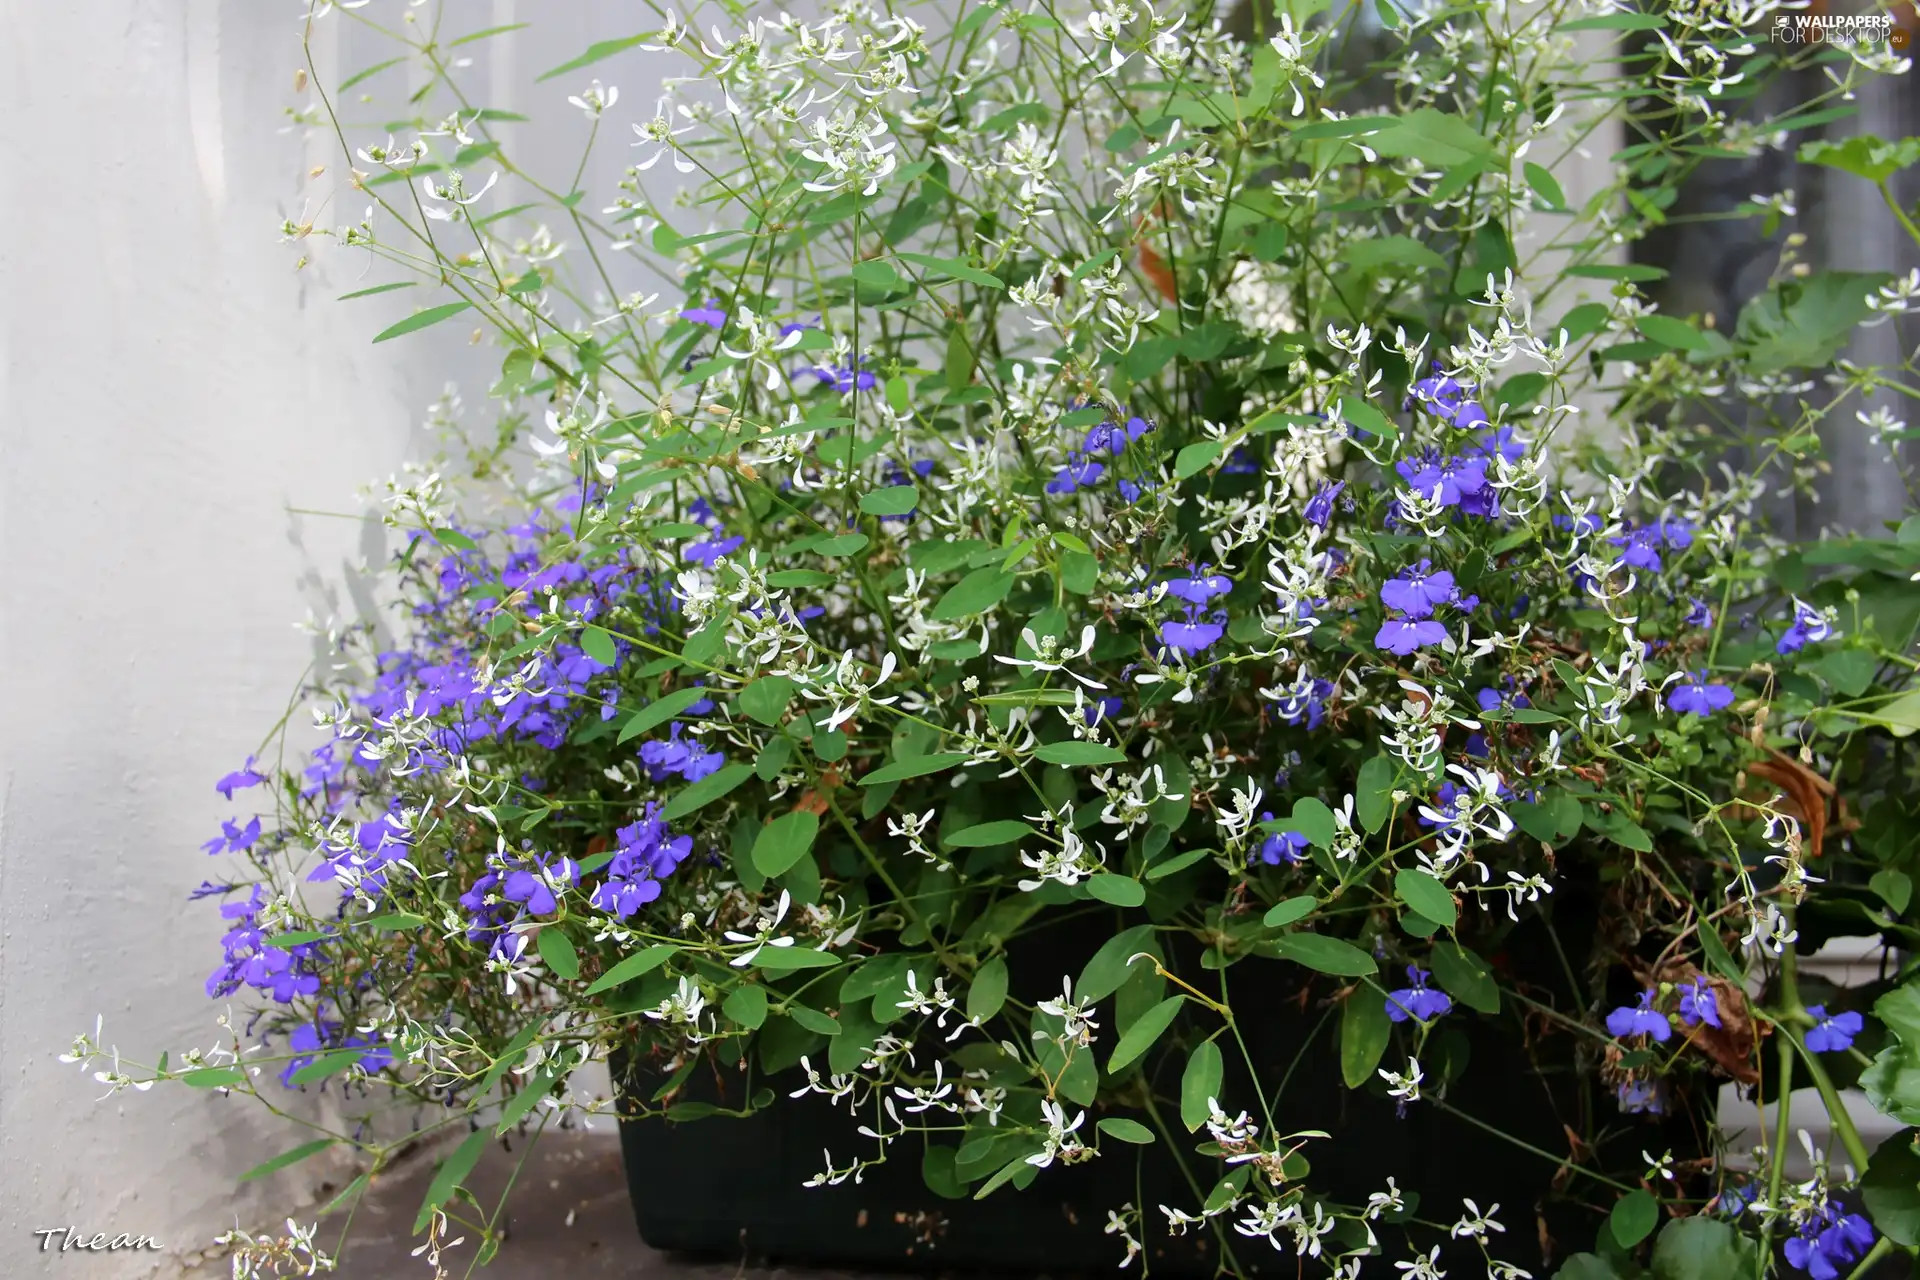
x=169 y=387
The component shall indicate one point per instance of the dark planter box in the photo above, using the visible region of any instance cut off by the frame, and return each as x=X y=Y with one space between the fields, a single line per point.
x=732 y=1187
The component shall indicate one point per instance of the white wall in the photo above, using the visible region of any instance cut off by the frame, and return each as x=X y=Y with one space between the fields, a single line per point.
x=169 y=386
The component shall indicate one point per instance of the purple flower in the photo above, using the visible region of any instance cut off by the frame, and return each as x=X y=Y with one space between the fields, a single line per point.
x=711 y=314
x=648 y=853
x=1446 y=398
x=1698 y=1004
x=1418 y=590
x=677 y=756
x=1809 y=626
x=1403 y=635
x=1454 y=477
x=1191 y=637
x=1200 y=586
x=1101 y=709
x=1695 y=697
x=1578 y=526
x=1081 y=472
x=1832 y=1034
x=709 y=552
x=1639 y=1020
x=1502 y=443
x=843 y=377
x=534 y=885
x=1698 y=615
x=234 y=839
x=1320 y=506
x=244 y=776
x=1417 y=999
x=1131 y=492
x=1642 y=549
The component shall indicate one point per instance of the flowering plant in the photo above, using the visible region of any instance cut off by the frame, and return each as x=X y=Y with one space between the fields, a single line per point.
x=1096 y=470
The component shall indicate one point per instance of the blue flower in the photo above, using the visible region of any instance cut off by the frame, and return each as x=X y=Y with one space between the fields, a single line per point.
x=1698 y=614
x=1832 y=1034
x=711 y=315
x=1455 y=477
x=1320 y=506
x=1403 y=635
x=1695 y=697
x=1200 y=586
x=1417 y=999
x=1281 y=846
x=1081 y=472
x=1503 y=443
x=244 y=776
x=1110 y=438
x=708 y=552
x=1192 y=636
x=1639 y=1020
x=843 y=377
x=1418 y=590
x=1101 y=709
x=648 y=853
x=1828 y=1241
x=1642 y=1096
x=1131 y=491
x=1809 y=626
x=1306 y=698
x=674 y=756
x=1698 y=1004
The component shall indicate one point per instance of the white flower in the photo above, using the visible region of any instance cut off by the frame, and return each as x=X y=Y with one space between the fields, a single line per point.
x=763 y=937
x=452 y=192
x=1062 y=1141
x=659 y=134
x=595 y=99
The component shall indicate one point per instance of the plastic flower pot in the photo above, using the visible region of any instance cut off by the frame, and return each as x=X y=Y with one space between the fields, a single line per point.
x=733 y=1187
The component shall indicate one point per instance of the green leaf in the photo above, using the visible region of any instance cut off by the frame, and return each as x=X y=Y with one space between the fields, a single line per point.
x=936 y=1170
x=1312 y=819
x=1899 y=1009
x=1716 y=954
x=1109 y=968
x=1804 y=323
x=1326 y=955
x=286 y=1158
x=1849 y=671
x=1892 y=1083
x=1623 y=21
x=1863 y=155
x=986 y=835
x=598 y=645
x=453 y=1171
x=1391 y=251
x=1126 y=1130
x=1427 y=896
x=483 y=34
x=557 y=949
x=706 y=791
x=814 y=1020
x=1544 y=186
x=978 y=592
x=1199 y=1082
x=914 y=767
x=378 y=288
x=954 y=269
x=532 y=1089
x=747 y=1006
x=785 y=841
x=596 y=52
x=1633 y=1218
x=640 y=962
x=421 y=319
x=1891 y=1189
x=847 y=544
x=214 y=1077
x=1373 y=793
x=1894 y=887
x=896 y=501
x=1121 y=891
x=786 y=959
x=1702 y=1248
x=766 y=699
x=1364 y=1032
x=1080 y=753
x=1670 y=332
x=661 y=710
x=1463 y=975
x=1147 y=1029
x=988 y=991
x=1282 y=914
x=1196 y=457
